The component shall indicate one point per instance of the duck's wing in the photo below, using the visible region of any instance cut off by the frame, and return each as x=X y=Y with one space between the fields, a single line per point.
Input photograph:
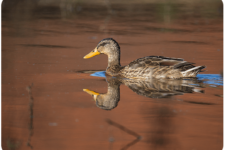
x=154 y=61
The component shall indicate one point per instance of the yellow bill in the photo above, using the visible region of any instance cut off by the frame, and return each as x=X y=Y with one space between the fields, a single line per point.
x=92 y=54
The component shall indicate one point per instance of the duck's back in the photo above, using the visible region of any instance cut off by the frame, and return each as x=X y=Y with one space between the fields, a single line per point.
x=160 y=67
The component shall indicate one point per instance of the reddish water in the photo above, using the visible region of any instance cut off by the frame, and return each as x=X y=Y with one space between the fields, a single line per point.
x=44 y=45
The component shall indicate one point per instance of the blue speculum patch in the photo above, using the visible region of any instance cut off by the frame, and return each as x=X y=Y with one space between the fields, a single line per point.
x=99 y=74
x=210 y=79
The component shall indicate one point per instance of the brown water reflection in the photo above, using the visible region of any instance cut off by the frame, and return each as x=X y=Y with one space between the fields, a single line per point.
x=43 y=44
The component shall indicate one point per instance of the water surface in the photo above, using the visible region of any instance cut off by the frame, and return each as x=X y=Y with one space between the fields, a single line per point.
x=44 y=106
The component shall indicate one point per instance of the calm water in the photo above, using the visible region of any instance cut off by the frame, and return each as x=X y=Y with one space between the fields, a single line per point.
x=44 y=106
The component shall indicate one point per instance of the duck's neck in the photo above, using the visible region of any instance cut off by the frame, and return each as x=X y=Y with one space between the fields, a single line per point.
x=114 y=59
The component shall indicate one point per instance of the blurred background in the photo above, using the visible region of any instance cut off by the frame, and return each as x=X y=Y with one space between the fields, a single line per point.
x=43 y=44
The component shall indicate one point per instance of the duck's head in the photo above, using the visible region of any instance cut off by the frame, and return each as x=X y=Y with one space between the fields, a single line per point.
x=106 y=46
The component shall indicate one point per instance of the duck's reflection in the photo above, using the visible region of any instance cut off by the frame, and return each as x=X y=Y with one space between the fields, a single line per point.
x=151 y=88
x=110 y=99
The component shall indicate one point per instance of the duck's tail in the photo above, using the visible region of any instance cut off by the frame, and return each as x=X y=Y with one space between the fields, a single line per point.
x=190 y=73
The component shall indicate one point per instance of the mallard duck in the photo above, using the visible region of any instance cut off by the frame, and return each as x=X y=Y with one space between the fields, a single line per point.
x=152 y=88
x=146 y=67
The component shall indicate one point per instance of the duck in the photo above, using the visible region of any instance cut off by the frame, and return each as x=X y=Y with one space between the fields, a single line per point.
x=158 y=67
